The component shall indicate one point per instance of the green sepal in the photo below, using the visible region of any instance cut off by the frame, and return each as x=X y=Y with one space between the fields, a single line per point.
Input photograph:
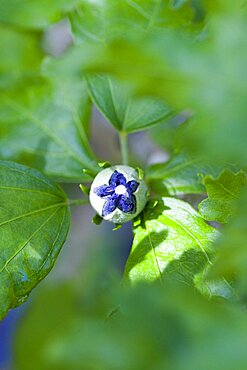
x=85 y=189
x=140 y=172
x=97 y=219
x=117 y=227
x=105 y=164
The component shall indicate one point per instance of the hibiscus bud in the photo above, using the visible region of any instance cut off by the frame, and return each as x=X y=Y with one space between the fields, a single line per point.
x=118 y=194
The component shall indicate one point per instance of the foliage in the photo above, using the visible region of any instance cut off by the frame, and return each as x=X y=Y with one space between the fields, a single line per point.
x=177 y=70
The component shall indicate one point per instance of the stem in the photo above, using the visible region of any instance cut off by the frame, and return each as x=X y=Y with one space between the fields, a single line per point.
x=123 y=137
x=77 y=202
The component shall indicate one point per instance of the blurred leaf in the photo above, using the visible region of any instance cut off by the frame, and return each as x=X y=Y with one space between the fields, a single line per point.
x=179 y=175
x=20 y=56
x=222 y=195
x=151 y=327
x=104 y=21
x=202 y=71
x=231 y=248
x=125 y=113
x=42 y=126
x=171 y=243
x=34 y=221
x=33 y=14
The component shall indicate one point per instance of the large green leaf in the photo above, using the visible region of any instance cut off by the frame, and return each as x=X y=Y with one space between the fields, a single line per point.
x=171 y=242
x=34 y=221
x=223 y=192
x=123 y=111
x=43 y=126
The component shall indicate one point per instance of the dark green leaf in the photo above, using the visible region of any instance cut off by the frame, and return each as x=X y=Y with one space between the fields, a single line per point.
x=223 y=192
x=125 y=112
x=171 y=242
x=34 y=221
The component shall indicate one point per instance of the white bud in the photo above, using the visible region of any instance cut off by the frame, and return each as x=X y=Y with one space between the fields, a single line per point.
x=118 y=194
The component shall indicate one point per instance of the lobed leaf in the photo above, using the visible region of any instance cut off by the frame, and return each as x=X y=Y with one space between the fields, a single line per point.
x=223 y=192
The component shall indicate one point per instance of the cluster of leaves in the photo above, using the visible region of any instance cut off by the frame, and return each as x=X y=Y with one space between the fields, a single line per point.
x=176 y=68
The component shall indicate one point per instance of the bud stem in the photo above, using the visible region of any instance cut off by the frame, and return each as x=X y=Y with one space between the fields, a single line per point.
x=123 y=137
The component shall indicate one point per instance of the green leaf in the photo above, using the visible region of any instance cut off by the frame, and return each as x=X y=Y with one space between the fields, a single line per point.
x=34 y=221
x=179 y=175
x=147 y=327
x=124 y=112
x=171 y=243
x=231 y=257
x=20 y=56
x=34 y=14
x=202 y=71
x=223 y=192
x=42 y=126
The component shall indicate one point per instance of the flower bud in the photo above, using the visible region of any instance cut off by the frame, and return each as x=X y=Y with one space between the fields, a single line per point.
x=118 y=194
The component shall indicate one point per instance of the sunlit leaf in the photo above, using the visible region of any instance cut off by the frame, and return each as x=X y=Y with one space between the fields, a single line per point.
x=34 y=221
x=172 y=242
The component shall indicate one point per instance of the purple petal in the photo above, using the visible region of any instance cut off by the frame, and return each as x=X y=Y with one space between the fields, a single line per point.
x=116 y=179
x=132 y=186
x=104 y=191
x=127 y=204
x=110 y=205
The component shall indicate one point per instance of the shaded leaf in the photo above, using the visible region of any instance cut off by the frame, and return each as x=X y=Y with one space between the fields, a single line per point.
x=43 y=126
x=34 y=221
x=124 y=112
x=171 y=243
x=223 y=192
x=179 y=175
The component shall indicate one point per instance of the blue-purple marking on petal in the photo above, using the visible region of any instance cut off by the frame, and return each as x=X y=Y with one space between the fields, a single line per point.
x=126 y=203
